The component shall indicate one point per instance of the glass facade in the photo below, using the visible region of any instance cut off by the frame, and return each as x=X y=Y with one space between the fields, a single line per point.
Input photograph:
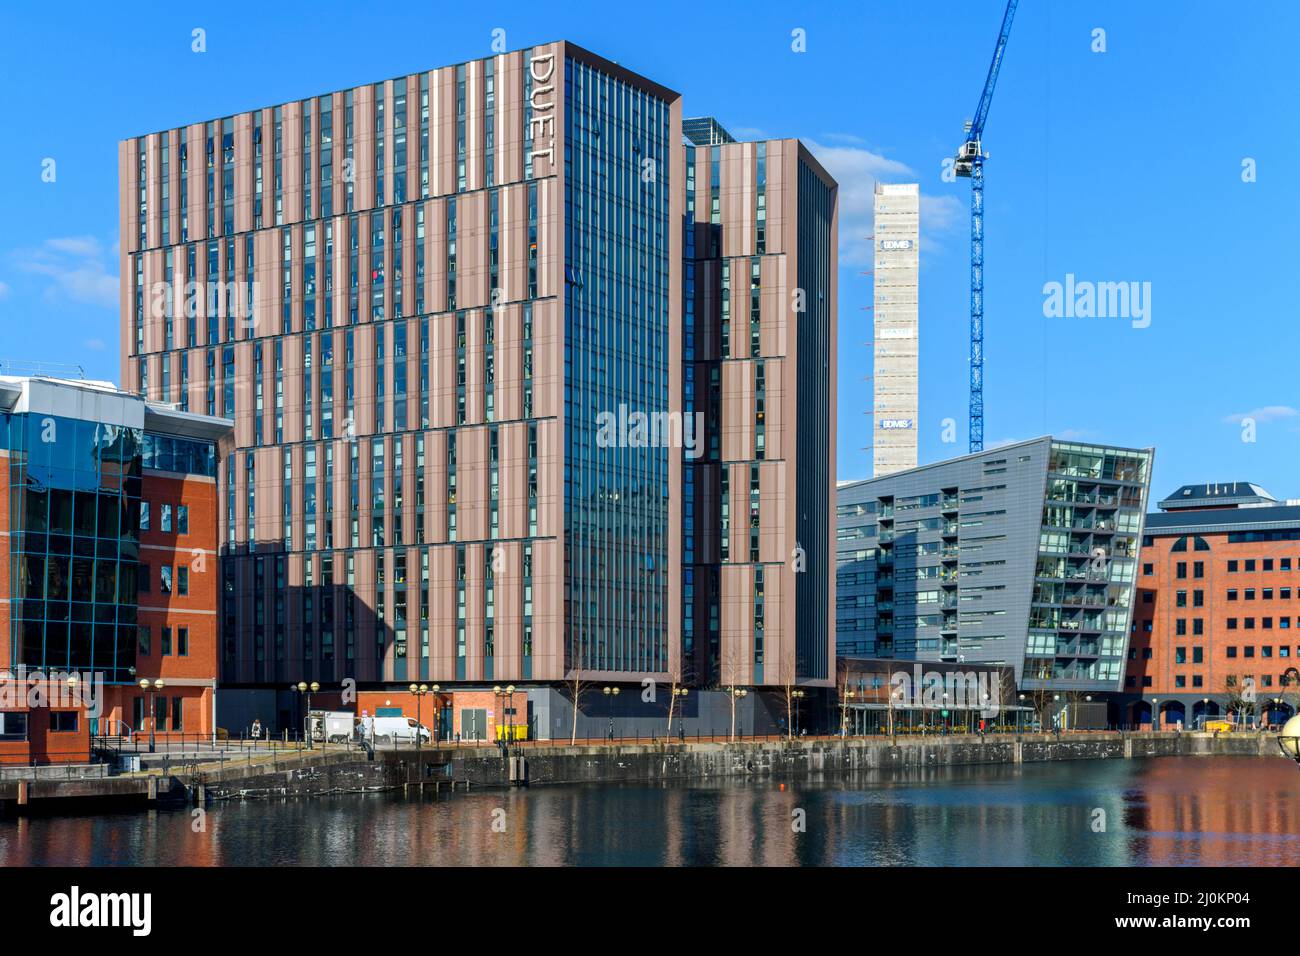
x=74 y=513
x=1025 y=555
x=616 y=356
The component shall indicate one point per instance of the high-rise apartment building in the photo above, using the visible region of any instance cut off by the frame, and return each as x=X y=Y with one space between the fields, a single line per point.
x=1024 y=555
x=895 y=405
x=457 y=320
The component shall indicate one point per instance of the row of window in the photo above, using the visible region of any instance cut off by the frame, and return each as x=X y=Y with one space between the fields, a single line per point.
x=144 y=642
x=13 y=724
x=1246 y=565
x=166 y=580
x=1198 y=681
x=166 y=514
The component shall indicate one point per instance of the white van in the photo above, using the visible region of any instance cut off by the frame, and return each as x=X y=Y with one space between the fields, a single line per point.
x=394 y=729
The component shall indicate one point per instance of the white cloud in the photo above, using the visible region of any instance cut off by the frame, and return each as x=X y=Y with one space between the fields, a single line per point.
x=95 y=345
x=857 y=170
x=77 y=267
x=1269 y=413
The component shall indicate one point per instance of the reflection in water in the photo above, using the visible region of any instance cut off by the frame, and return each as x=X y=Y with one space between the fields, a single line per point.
x=1174 y=811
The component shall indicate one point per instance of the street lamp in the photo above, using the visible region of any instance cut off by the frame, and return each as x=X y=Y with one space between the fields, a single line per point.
x=1155 y=713
x=307 y=690
x=1289 y=738
x=798 y=695
x=849 y=694
x=507 y=697
x=735 y=693
x=419 y=690
x=680 y=694
x=435 y=690
x=150 y=687
x=612 y=694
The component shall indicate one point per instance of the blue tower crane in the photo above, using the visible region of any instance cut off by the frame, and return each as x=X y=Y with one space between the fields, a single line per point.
x=970 y=163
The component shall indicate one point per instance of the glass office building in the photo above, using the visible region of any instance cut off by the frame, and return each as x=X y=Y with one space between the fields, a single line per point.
x=77 y=458
x=1025 y=555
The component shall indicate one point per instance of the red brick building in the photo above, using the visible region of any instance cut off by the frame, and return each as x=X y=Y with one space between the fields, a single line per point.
x=108 y=577
x=1217 y=623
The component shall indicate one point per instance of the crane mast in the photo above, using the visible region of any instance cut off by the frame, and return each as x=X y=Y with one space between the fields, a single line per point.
x=970 y=164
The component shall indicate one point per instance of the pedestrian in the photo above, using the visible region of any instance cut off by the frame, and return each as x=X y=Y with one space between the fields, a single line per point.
x=256 y=732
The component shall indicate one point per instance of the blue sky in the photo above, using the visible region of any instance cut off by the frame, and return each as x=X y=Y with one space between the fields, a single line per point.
x=1122 y=166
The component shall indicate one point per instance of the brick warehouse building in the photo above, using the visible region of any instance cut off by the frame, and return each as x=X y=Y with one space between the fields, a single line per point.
x=433 y=294
x=1218 y=607
x=109 y=530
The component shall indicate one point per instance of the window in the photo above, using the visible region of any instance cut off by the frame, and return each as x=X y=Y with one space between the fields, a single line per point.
x=1232 y=626
x=1180 y=599
x=165 y=642
x=183 y=520
x=142 y=579
x=1232 y=594
x=1266 y=651
x=182 y=580
x=1250 y=651
x=176 y=714
x=1148 y=597
x=1232 y=652
x=1250 y=594
x=1198 y=599
x=165 y=518
x=1198 y=655
x=13 y=726
x=1198 y=569
x=1268 y=564
x=165 y=578
x=1148 y=569
x=142 y=640
x=1250 y=564
x=1180 y=655
x=1268 y=594
x=63 y=721
x=182 y=642
x=1180 y=681
x=1232 y=567
x=1198 y=680
x=1180 y=571
x=1180 y=628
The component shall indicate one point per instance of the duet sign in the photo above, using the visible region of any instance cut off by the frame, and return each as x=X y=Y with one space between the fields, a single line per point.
x=541 y=126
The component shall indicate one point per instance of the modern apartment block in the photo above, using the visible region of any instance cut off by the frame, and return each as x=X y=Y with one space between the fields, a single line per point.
x=109 y=562
x=759 y=347
x=1024 y=555
x=1217 y=622
x=896 y=402
x=457 y=326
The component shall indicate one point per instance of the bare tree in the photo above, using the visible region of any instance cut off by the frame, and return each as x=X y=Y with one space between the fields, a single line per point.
x=1240 y=691
x=731 y=672
x=677 y=678
x=578 y=685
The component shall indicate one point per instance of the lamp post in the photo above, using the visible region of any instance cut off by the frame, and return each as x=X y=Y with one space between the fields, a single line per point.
x=849 y=694
x=736 y=693
x=611 y=693
x=507 y=697
x=1155 y=713
x=436 y=734
x=150 y=687
x=797 y=695
x=1289 y=738
x=419 y=690
x=307 y=690
x=679 y=693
